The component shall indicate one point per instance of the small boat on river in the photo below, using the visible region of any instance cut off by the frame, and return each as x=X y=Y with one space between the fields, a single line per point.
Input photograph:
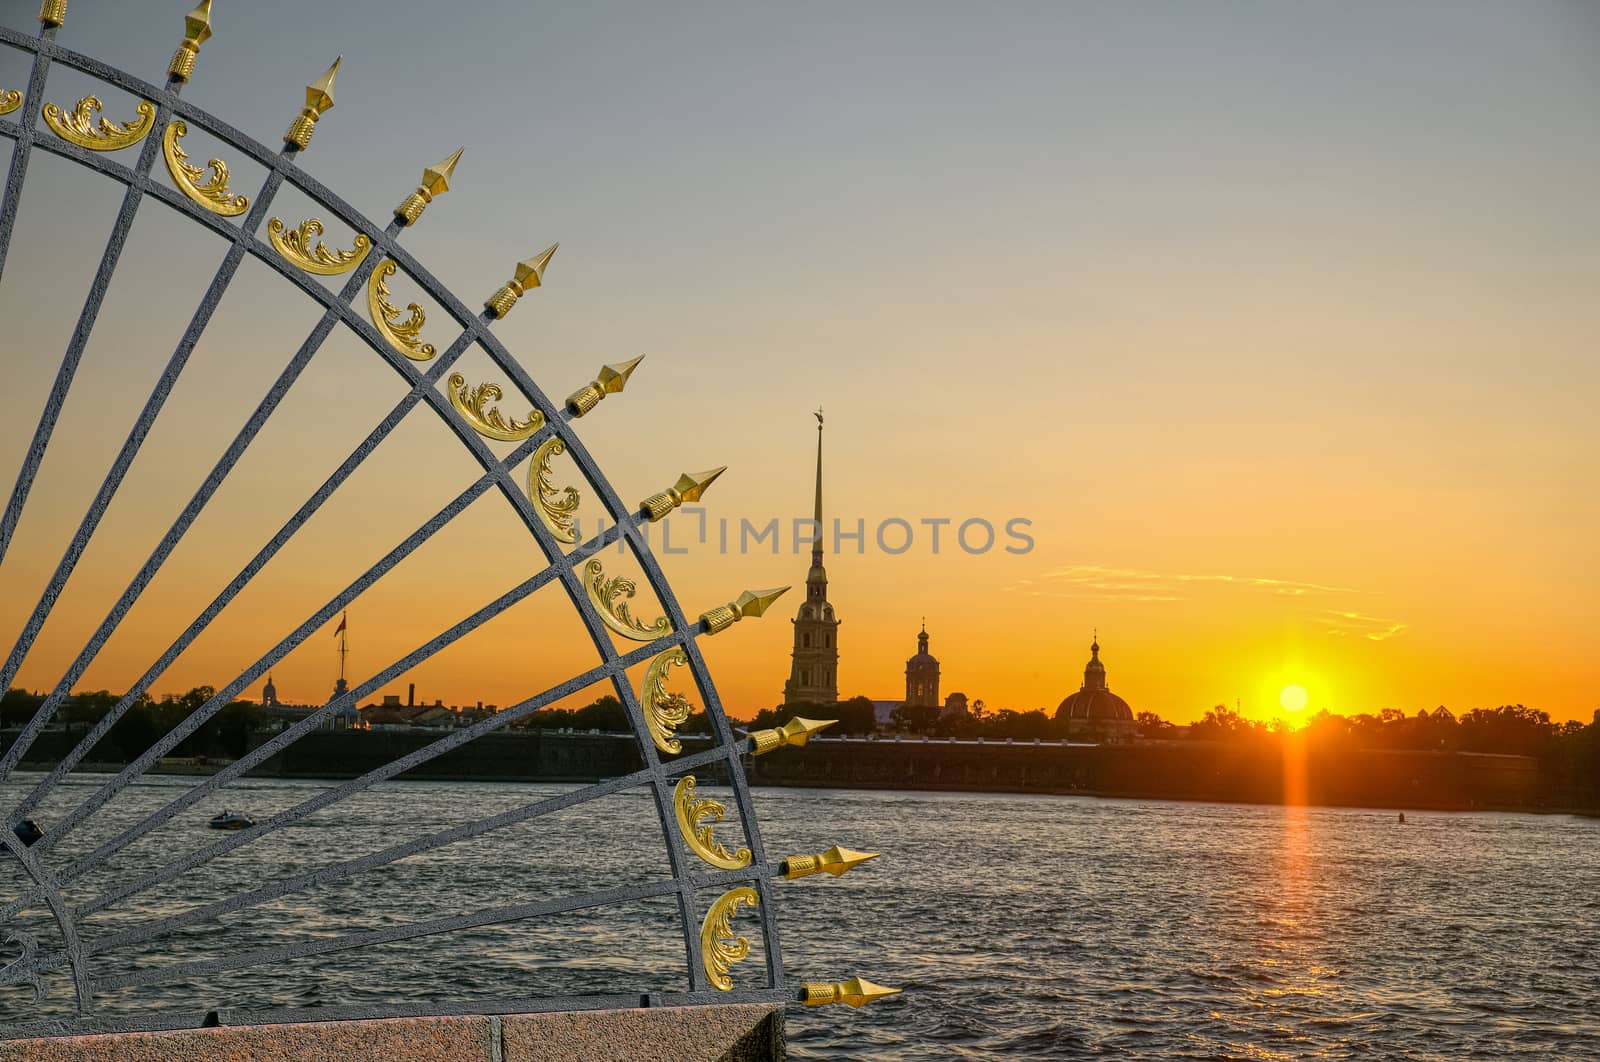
x=231 y=820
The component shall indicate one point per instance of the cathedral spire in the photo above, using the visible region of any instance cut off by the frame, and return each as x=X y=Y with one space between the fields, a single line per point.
x=813 y=675
x=816 y=547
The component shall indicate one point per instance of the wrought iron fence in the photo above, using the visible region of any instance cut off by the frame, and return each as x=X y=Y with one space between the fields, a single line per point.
x=711 y=886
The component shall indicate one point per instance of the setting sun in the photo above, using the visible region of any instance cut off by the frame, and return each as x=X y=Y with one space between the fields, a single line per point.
x=1293 y=698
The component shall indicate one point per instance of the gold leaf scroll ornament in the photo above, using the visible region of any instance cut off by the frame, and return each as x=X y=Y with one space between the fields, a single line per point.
x=296 y=247
x=556 y=508
x=610 y=599
x=664 y=712
x=10 y=100
x=404 y=336
x=80 y=127
x=696 y=817
x=719 y=948
x=475 y=406
x=209 y=192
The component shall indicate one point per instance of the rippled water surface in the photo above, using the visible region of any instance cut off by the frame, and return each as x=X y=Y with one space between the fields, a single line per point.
x=1020 y=927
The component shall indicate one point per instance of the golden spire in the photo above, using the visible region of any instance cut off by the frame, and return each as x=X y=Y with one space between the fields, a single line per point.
x=53 y=12
x=611 y=380
x=835 y=861
x=196 y=31
x=749 y=603
x=796 y=731
x=856 y=992
x=690 y=486
x=319 y=101
x=435 y=181
x=817 y=546
x=529 y=274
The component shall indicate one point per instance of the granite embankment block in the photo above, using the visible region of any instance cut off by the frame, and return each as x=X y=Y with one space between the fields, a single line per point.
x=733 y=1033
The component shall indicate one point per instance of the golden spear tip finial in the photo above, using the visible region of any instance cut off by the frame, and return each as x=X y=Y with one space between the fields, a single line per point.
x=689 y=488
x=614 y=378
x=856 y=992
x=445 y=169
x=835 y=861
x=700 y=481
x=796 y=732
x=319 y=100
x=756 y=602
x=529 y=274
x=435 y=181
x=197 y=23
x=52 y=12
x=196 y=31
x=749 y=603
x=609 y=381
x=324 y=84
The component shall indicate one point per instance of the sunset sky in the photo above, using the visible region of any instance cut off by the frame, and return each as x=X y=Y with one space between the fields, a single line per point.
x=1277 y=322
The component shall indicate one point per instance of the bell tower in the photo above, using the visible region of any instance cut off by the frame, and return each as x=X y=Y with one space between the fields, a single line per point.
x=814 y=672
x=922 y=675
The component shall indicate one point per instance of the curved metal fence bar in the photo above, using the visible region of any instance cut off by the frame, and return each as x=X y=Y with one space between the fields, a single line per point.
x=429 y=927
x=388 y=935
x=86 y=318
x=26 y=131
x=51 y=893
x=141 y=932
x=123 y=461
x=350 y=867
x=267 y=749
x=657 y=775
x=185 y=519
x=257 y=756
x=238 y=583
x=329 y=797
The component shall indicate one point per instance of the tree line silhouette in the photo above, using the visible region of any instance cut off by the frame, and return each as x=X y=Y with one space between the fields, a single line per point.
x=1568 y=752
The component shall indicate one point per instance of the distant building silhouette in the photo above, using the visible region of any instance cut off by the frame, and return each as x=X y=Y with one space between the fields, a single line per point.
x=955 y=706
x=814 y=672
x=1094 y=711
x=922 y=675
x=276 y=711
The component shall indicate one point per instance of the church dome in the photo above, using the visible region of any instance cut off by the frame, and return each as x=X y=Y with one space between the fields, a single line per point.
x=1094 y=700
x=1094 y=704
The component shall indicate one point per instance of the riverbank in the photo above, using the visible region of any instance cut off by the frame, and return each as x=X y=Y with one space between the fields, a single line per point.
x=1168 y=770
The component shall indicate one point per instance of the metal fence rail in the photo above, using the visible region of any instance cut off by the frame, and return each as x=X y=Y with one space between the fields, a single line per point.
x=48 y=876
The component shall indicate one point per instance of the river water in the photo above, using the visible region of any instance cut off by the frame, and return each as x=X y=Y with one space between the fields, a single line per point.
x=1020 y=926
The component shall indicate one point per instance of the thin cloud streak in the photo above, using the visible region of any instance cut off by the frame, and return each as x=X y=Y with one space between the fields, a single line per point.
x=1373 y=628
x=1095 y=577
x=1096 y=582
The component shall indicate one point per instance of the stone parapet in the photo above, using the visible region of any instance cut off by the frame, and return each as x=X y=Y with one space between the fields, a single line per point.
x=733 y=1033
